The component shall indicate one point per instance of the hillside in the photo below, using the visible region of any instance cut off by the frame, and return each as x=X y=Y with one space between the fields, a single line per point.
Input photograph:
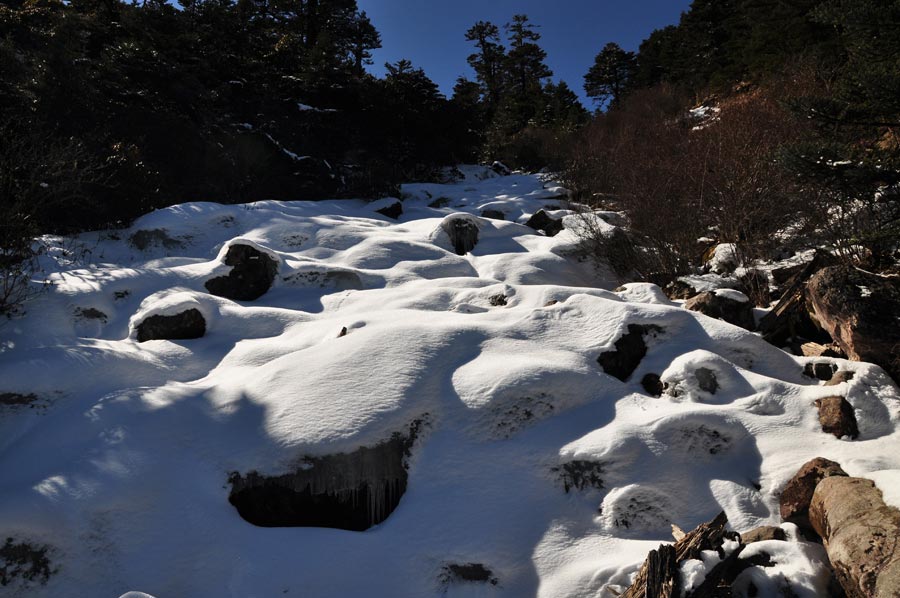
x=479 y=416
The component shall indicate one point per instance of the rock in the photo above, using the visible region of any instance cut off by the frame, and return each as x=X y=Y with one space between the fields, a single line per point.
x=653 y=385
x=861 y=535
x=821 y=370
x=837 y=417
x=763 y=534
x=498 y=300
x=723 y=307
x=493 y=214
x=819 y=350
x=551 y=303
x=853 y=307
x=723 y=258
x=251 y=276
x=144 y=239
x=783 y=274
x=394 y=211
x=188 y=324
x=680 y=290
x=350 y=491
x=542 y=221
x=501 y=168
x=706 y=379
x=840 y=378
x=629 y=351
x=14 y=399
x=798 y=493
x=469 y=572
x=463 y=232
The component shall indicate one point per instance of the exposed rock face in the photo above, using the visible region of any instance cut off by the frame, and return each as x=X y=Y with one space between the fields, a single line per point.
x=351 y=491
x=722 y=307
x=763 y=534
x=251 y=275
x=186 y=325
x=394 y=211
x=853 y=307
x=542 y=221
x=14 y=399
x=837 y=417
x=463 y=232
x=797 y=495
x=493 y=214
x=861 y=534
x=629 y=351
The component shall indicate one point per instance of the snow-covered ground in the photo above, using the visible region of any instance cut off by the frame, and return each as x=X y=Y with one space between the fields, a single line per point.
x=121 y=465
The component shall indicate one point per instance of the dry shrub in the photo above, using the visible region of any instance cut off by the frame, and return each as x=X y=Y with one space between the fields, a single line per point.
x=680 y=179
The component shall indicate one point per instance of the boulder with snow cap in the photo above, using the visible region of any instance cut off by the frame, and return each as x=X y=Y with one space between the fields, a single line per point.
x=188 y=324
x=252 y=274
x=724 y=304
x=853 y=307
x=463 y=232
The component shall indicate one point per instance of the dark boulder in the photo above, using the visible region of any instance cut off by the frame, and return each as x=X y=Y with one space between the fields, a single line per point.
x=629 y=352
x=393 y=211
x=837 y=417
x=501 y=168
x=854 y=307
x=798 y=493
x=186 y=325
x=493 y=214
x=463 y=232
x=653 y=385
x=723 y=307
x=543 y=222
x=252 y=274
x=350 y=491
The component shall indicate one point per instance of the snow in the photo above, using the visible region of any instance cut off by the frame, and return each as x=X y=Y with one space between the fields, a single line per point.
x=733 y=295
x=888 y=482
x=123 y=470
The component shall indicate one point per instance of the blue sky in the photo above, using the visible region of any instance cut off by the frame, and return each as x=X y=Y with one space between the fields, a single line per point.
x=431 y=33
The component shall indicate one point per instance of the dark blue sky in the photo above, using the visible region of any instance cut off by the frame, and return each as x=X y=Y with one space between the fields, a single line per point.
x=431 y=33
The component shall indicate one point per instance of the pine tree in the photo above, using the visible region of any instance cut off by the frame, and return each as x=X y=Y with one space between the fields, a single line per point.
x=525 y=73
x=488 y=61
x=611 y=75
x=363 y=39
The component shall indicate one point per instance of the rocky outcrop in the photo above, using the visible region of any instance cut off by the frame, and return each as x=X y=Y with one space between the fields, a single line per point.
x=188 y=324
x=837 y=417
x=861 y=535
x=629 y=352
x=23 y=564
x=463 y=232
x=798 y=493
x=543 y=222
x=251 y=277
x=733 y=307
x=853 y=307
x=493 y=214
